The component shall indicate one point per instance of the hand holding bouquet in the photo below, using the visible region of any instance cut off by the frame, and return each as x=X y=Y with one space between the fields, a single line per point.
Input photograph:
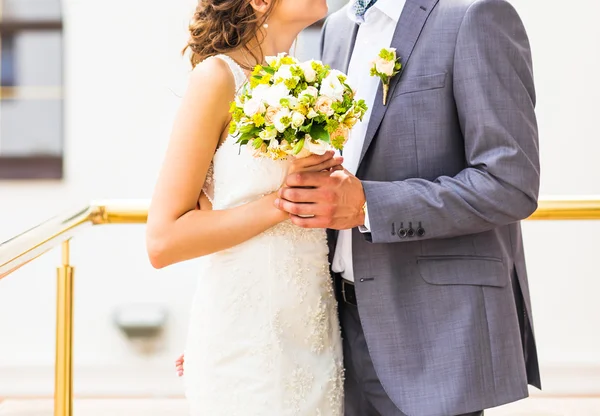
x=294 y=108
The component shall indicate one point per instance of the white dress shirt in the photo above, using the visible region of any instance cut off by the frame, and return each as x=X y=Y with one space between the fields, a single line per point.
x=375 y=33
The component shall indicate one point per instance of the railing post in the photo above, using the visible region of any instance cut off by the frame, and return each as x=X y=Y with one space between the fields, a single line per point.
x=63 y=381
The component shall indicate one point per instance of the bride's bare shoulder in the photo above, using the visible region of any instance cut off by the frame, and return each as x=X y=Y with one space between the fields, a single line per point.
x=212 y=75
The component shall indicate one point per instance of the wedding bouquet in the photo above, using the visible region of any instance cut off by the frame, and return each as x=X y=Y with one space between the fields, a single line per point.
x=294 y=108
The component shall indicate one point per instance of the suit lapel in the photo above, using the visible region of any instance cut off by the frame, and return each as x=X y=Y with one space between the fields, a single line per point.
x=409 y=27
x=349 y=47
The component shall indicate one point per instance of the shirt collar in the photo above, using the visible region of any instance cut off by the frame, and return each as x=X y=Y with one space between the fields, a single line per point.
x=391 y=8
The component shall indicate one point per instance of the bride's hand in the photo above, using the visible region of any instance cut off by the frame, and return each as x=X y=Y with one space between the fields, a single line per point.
x=179 y=365
x=316 y=163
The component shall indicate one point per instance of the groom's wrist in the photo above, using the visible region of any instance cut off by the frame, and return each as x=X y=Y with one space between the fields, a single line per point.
x=362 y=220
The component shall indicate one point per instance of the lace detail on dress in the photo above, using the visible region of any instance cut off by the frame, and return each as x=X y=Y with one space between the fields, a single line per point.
x=209 y=183
x=240 y=79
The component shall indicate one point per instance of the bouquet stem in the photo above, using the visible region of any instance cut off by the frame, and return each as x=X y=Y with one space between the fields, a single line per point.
x=386 y=89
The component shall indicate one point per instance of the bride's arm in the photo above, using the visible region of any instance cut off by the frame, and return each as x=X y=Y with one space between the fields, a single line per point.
x=176 y=230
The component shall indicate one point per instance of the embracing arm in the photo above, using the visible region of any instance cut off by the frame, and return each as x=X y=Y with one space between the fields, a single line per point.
x=176 y=230
x=495 y=99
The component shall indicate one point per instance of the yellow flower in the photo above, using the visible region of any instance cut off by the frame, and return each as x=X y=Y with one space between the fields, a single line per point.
x=350 y=121
x=258 y=119
x=287 y=60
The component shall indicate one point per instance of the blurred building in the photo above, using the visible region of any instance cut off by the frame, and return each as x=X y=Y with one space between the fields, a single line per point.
x=31 y=73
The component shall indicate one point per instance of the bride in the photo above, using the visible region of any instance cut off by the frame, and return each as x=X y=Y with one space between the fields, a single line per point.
x=264 y=335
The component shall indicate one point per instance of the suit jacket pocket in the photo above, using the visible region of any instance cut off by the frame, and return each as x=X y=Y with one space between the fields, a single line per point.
x=420 y=83
x=463 y=270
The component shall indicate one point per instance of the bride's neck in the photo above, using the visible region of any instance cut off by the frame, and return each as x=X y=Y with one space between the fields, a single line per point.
x=275 y=44
x=271 y=45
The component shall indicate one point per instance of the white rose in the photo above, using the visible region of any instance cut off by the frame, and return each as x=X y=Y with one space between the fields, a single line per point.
x=271 y=113
x=297 y=119
x=341 y=133
x=253 y=106
x=293 y=101
x=310 y=91
x=324 y=105
x=312 y=113
x=332 y=87
x=284 y=73
x=282 y=120
x=384 y=66
x=260 y=92
x=275 y=93
x=317 y=147
x=309 y=73
x=271 y=60
x=267 y=134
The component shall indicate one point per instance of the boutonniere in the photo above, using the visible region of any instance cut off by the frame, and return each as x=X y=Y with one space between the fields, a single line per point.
x=386 y=67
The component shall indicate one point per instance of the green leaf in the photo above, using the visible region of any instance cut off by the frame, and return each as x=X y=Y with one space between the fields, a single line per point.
x=331 y=126
x=299 y=146
x=247 y=128
x=242 y=141
x=245 y=137
x=318 y=132
x=289 y=135
x=257 y=143
x=338 y=142
x=268 y=70
x=306 y=128
x=387 y=55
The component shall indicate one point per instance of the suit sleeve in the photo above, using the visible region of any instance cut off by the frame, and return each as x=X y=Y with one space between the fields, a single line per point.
x=495 y=100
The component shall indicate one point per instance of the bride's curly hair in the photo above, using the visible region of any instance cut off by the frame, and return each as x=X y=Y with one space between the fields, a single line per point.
x=221 y=26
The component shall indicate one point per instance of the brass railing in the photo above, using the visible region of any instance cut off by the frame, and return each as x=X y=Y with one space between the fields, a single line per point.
x=59 y=230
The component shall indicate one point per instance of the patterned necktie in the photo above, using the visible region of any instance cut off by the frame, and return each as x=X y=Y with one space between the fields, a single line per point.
x=361 y=6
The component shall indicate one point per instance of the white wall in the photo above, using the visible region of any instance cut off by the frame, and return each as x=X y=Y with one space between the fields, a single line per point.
x=124 y=75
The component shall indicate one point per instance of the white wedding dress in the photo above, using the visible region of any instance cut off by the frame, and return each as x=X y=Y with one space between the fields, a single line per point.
x=264 y=336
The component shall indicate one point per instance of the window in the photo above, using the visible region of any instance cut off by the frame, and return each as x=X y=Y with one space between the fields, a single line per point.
x=31 y=99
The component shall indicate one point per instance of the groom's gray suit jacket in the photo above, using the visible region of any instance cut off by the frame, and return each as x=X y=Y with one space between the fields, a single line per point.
x=449 y=168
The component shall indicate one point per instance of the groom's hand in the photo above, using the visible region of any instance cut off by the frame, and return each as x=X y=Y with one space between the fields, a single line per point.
x=330 y=199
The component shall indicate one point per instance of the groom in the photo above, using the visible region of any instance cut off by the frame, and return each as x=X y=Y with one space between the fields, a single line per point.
x=429 y=263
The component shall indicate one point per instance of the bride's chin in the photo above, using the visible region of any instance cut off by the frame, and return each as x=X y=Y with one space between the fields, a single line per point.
x=324 y=11
x=317 y=19
x=321 y=11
